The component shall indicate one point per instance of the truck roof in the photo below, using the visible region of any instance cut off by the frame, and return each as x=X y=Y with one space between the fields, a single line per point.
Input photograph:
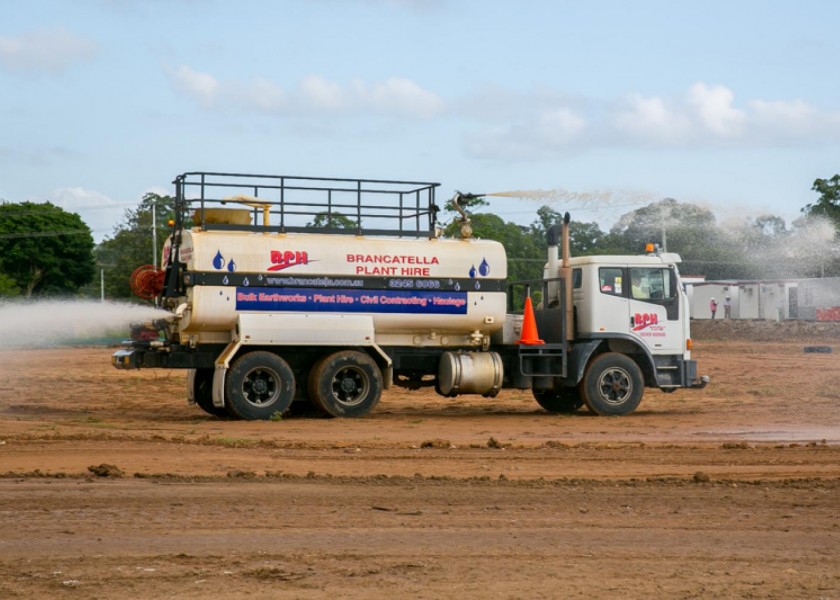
x=664 y=258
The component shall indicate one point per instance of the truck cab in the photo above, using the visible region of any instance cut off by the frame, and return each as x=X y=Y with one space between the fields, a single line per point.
x=636 y=306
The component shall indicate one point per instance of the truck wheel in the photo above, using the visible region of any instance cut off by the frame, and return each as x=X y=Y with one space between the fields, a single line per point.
x=203 y=393
x=346 y=384
x=259 y=385
x=612 y=385
x=563 y=400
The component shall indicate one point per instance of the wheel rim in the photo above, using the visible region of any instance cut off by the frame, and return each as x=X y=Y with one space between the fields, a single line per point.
x=350 y=386
x=261 y=387
x=615 y=385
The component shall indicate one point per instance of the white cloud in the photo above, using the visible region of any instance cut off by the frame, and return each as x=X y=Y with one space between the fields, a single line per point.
x=402 y=96
x=791 y=122
x=314 y=95
x=202 y=87
x=549 y=132
x=708 y=115
x=651 y=120
x=561 y=124
x=319 y=94
x=713 y=106
x=44 y=51
x=541 y=123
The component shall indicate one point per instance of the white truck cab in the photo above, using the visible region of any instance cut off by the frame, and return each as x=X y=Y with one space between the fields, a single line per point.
x=638 y=298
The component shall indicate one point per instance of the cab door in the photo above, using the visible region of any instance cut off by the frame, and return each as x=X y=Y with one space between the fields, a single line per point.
x=608 y=307
x=656 y=311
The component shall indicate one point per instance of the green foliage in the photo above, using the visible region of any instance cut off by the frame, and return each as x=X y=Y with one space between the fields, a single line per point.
x=8 y=286
x=333 y=220
x=43 y=250
x=584 y=238
x=131 y=245
x=828 y=205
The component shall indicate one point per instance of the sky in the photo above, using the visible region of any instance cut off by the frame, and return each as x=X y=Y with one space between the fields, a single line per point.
x=612 y=105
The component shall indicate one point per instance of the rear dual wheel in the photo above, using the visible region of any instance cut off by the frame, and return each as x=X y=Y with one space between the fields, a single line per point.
x=345 y=384
x=259 y=385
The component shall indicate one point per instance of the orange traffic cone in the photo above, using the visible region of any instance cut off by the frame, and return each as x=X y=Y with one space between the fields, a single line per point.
x=529 y=326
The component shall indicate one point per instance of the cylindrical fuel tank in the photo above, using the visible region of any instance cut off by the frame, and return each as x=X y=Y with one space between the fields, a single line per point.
x=470 y=373
x=407 y=285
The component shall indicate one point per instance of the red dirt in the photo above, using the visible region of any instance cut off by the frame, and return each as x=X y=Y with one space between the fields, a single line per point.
x=732 y=491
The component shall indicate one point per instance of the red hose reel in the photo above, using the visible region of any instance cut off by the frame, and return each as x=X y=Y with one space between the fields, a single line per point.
x=146 y=281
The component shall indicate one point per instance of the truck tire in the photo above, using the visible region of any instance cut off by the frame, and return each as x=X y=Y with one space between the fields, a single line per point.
x=562 y=400
x=612 y=385
x=346 y=384
x=259 y=385
x=203 y=393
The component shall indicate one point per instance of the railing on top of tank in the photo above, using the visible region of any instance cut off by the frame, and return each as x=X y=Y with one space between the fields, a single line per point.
x=281 y=203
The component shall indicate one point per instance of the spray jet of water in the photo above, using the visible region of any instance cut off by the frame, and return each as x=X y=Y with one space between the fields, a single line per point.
x=592 y=199
x=56 y=322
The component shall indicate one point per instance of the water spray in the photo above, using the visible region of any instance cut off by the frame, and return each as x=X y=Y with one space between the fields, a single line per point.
x=51 y=323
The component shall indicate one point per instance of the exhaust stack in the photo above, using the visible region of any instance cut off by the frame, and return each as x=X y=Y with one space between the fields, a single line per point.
x=560 y=265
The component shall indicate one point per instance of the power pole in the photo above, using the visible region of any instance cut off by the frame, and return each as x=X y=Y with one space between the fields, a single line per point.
x=154 y=233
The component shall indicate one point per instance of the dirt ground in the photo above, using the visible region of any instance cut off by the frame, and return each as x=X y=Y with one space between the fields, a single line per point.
x=111 y=486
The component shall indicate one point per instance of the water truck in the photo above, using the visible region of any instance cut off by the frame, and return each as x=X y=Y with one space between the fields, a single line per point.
x=324 y=291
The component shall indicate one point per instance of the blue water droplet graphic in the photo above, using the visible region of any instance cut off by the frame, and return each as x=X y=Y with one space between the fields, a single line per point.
x=245 y=282
x=225 y=280
x=478 y=285
x=472 y=271
x=218 y=260
x=457 y=287
x=484 y=268
x=231 y=266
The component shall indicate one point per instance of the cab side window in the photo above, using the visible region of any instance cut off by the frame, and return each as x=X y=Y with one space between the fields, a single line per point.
x=652 y=285
x=611 y=281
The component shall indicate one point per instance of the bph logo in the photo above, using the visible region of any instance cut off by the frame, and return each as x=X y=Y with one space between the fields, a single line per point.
x=288 y=258
x=643 y=320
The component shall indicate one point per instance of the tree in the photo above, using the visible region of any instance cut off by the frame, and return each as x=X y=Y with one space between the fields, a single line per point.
x=584 y=238
x=687 y=229
x=44 y=250
x=132 y=243
x=828 y=205
x=332 y=220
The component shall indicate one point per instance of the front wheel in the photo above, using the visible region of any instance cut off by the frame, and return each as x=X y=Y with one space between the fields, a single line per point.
x=612 y=385
x=561 y=400
x=346 y=384
x=259 y=385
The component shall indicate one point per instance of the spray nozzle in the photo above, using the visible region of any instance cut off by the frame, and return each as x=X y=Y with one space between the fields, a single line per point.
x=466 y=228
x=468 y=196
